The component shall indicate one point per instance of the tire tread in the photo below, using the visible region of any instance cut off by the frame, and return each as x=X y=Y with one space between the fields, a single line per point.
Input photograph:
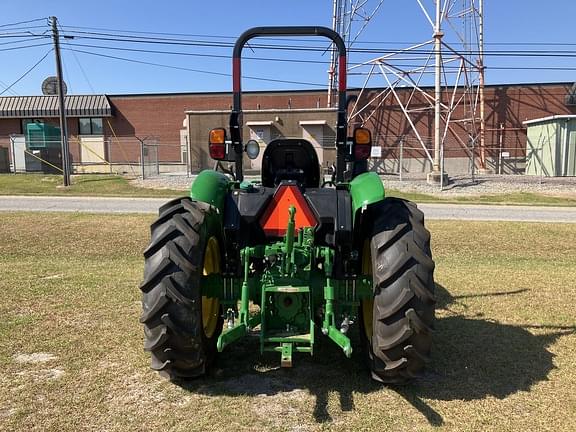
x=171 y=296
x=404 y=302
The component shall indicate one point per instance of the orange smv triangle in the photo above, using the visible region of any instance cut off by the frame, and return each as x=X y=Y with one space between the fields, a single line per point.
x=274 y=221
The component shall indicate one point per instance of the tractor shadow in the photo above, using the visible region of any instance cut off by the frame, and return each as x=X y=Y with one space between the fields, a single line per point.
x=473 y=358
x=242 y=371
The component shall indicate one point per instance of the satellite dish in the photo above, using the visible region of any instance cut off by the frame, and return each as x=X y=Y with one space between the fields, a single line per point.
x=50 y=86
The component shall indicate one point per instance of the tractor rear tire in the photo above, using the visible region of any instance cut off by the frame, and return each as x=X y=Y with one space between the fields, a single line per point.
x=184 y=238
x=397 y=324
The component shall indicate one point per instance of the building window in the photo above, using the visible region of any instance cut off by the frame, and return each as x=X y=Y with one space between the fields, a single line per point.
x=90 y=126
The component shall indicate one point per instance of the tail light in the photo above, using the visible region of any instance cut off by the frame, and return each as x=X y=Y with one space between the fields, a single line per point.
x=217 y=144
x=362 y=143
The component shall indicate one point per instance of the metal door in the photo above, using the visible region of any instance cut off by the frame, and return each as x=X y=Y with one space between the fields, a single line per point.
x=570 y=166
x=18 y=148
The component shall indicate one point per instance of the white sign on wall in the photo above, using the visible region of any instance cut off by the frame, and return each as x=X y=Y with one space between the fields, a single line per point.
x=376 y=152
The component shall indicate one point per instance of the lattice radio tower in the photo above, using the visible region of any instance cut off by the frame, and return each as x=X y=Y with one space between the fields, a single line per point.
x=454 y=56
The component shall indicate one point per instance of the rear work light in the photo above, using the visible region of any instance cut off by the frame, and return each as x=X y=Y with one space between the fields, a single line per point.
x=362 y=143
x=217 y=144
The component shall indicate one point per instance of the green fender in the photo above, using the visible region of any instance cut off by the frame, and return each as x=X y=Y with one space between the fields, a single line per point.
x=365 y=189
x=211 y=187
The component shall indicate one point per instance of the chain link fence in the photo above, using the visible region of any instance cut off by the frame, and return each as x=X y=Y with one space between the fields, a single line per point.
x=125 y=155
x=405 y=156
x=148 y=156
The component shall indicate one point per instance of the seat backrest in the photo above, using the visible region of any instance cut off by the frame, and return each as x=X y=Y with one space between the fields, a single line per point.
x=290 y=159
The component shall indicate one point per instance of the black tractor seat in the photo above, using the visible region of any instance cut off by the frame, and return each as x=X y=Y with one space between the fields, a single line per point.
x=290 y=159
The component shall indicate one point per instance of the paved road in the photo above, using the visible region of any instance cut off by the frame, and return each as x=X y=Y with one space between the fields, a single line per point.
x=499 y=213
x=81 y=204
x=150 y=205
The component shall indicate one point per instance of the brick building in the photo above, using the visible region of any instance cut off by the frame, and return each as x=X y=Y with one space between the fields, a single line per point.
x=506 y=108
x=109 y=129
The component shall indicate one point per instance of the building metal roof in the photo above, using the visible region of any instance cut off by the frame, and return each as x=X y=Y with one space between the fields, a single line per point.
x=549 y=118
x=47 y=106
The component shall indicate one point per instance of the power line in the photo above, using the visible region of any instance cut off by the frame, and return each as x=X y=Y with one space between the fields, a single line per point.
x=78 y=62
x=18 y=30
x=24 y=22
x=227 y=57
x=24 y=47
x=196 y=70
x=446 y=67
x=30 y=38
x=159 y=41
x=21 y=35
x=3 y=84
x=67 y=78
x=203 y=43
x=291 y=60
x=26 y=73
x=220 y=56
x=553 y=43
x=123 y=33
x=148 y=32
x=76 y=34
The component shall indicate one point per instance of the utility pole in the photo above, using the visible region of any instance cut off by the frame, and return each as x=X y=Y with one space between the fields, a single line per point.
x=62 y=109
x=437 y=174
x=333 y=58
x=437 y=87
x=481 y=70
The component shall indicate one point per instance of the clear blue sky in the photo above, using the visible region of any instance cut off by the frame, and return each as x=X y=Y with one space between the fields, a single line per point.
x=524 y=25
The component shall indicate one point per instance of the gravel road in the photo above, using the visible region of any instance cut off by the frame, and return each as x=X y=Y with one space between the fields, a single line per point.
x=458 y=186
x=150 y=205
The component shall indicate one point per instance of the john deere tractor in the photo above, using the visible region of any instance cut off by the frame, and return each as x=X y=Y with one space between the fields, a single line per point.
x=290 y=258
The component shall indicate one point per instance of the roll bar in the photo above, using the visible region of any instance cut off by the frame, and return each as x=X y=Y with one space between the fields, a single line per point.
x=236 y=115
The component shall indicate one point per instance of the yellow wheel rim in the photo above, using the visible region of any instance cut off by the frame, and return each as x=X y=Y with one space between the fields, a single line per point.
x=211 y=305
x=367 y=304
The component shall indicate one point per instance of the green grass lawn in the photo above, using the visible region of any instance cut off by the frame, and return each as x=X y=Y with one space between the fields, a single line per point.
x=113 y=185
x=515 y=198
x=71 y=359
x=86 y=185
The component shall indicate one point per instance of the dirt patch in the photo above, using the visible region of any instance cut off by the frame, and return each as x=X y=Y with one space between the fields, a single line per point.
x=281 y=408
x=136 y=389
x=40 y=357
x=8 y=412
x=56 y=276
x=42 y=374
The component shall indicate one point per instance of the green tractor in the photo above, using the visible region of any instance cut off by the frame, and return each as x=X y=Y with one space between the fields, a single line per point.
x=291 y=257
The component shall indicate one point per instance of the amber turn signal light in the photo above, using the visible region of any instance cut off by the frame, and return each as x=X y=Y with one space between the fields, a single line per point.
x=217 y=136
x=362 y=143
x=362 y=136
x=217 y=143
